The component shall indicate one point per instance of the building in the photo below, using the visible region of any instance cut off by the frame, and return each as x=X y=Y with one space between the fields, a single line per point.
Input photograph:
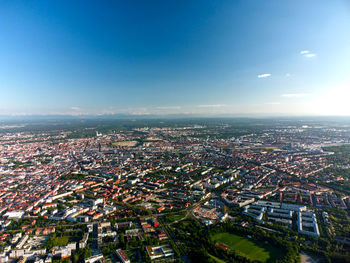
x=160 y=251
x=123 y=258
x=307 y=224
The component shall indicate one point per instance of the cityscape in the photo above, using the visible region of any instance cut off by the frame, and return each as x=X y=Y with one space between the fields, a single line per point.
x=180 y=131
x=175 y=191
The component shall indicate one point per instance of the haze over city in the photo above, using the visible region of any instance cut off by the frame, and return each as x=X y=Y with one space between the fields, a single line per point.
x=205 y=58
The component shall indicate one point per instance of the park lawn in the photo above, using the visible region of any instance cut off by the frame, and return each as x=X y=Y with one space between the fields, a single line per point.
x=176 y=217
x=250 y=248
x=217 y=260
x=61 y=241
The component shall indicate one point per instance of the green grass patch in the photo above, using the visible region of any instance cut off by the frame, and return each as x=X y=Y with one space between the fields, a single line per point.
x=173 y=218
x=249 y=248
x=54 y=241
x=61 y=241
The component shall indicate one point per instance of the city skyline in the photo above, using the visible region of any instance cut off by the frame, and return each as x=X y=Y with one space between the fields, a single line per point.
x=242 y=58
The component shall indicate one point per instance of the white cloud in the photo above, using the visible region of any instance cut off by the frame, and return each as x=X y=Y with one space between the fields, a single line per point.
x=75 y=108
x=265 y=75
x=168 y=108
x=139 y=111
x=273 y=103
x=211 y=106
x=307 y=54
x=295 y=95
x=311 y=55
x=288 y=75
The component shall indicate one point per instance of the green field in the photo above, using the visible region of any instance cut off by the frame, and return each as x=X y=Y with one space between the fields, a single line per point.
x=250 y=248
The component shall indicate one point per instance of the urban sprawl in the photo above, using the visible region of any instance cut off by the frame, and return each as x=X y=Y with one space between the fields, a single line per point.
x=176 y=192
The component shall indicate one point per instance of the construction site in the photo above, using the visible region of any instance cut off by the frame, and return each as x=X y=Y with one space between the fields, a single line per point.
x=210 y=212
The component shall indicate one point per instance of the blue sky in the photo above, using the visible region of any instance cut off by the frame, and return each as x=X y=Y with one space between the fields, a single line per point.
x=248 y=57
